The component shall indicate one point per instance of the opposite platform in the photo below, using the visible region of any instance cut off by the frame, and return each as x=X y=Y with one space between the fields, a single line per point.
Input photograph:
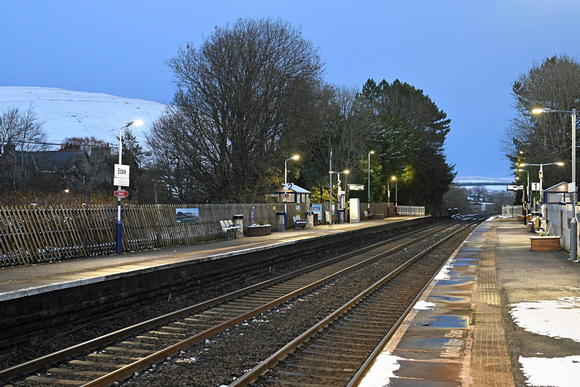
x=22 y=281
x=498 y=314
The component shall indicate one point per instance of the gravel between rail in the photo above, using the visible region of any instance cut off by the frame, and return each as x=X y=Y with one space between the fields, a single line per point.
x=228 y=355
x=219 y=361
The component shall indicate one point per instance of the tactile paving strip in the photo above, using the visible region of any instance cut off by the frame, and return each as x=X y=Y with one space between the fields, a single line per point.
x=490 y=360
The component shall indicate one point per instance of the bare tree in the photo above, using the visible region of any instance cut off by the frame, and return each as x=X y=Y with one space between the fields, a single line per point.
x=237 y=95
x=19 y=131
x=555 y=84
x=345 y=128
x=21 y=128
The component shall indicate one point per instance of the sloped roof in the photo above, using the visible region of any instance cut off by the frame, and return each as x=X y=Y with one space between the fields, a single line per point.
x=292 y=188
x=560 y=187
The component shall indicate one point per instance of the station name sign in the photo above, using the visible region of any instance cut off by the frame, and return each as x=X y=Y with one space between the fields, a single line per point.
x=121 y=176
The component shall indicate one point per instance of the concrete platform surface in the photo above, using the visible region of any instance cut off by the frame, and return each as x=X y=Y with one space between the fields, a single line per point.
x=498 y=314
x=20 y=281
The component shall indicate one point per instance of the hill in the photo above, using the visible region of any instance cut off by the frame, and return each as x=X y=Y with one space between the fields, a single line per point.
x=66 y=113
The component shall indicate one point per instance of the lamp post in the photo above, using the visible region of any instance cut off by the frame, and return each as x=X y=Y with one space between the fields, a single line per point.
x=527 y=193
x=541 y=175
x=119 y=226
x=396 y=193
x=573 y=221
x=295 y=157
x=346 y=197
x=388 y=199
x=369 y=182
x=346 y=171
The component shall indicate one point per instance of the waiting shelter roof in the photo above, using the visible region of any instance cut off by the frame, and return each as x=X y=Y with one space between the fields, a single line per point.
x=292 y=188
x=560 y=187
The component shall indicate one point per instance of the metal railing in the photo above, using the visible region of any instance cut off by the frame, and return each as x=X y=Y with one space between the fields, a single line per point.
x=411 y=210
x=511 y=211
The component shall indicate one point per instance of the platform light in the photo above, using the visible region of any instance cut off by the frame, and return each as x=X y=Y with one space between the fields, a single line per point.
x=394 y=178
x=573 y=221
x=369 y=182
x=346 y=172
x=295 y=157
x=541 y=110
x=541 y=174
x=119 y=226
x=527 y=191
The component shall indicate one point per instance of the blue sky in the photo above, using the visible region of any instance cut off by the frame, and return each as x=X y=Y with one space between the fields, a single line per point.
x=464 y=54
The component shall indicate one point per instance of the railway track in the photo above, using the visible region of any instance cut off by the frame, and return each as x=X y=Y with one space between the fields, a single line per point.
x=131 y=350
x=339 y=350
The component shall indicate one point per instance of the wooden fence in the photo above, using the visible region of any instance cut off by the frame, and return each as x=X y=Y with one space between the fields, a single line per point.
x=37 y=234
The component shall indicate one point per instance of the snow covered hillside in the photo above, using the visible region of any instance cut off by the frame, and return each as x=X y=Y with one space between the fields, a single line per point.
x=66 y=113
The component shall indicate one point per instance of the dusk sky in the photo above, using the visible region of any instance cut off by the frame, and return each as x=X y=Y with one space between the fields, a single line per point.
x=464 y=54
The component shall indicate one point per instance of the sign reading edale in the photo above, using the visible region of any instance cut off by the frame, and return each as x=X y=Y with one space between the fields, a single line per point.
x=121 y=177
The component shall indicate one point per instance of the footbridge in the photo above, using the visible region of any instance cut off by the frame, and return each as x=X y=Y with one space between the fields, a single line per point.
x=473 y=181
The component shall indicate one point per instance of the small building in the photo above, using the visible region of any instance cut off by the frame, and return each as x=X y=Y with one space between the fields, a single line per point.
x=295 y=194
x=558 y=194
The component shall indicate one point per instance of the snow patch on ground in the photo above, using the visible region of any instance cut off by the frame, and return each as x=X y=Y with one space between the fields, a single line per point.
x=444 y=272
x=558 y=319
x=424 y=305
x=560 y=372
x=382 y=371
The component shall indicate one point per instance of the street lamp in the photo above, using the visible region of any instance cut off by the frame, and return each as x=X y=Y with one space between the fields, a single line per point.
x=295 y=157
x=369 y=183
x=396 y=189
x=573 y=221
x=119 y=226
x=527 y=193
x=541 y=174
x=346 y=172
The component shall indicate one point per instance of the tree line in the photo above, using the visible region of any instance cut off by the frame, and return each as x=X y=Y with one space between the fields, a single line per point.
x=544 y=138
x=247 y=99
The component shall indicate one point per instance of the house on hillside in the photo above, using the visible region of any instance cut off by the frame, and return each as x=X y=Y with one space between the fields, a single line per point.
x=70 y=167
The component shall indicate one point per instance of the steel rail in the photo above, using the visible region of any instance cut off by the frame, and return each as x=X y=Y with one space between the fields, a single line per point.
x=145 y=362
x=252 y=375
x=129 y=370
x=55 y=357
x=363 y=370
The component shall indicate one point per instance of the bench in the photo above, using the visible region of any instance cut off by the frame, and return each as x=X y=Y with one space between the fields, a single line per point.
x=535 y=224
x=299 y=222
x=228 y=226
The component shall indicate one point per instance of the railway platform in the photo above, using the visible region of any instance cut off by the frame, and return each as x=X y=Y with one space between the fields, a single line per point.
x=22 y=281
x=498 y=314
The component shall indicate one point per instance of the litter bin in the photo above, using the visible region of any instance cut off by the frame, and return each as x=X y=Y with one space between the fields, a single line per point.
x=315 y=218
x=239 y=220
x=280 y=221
